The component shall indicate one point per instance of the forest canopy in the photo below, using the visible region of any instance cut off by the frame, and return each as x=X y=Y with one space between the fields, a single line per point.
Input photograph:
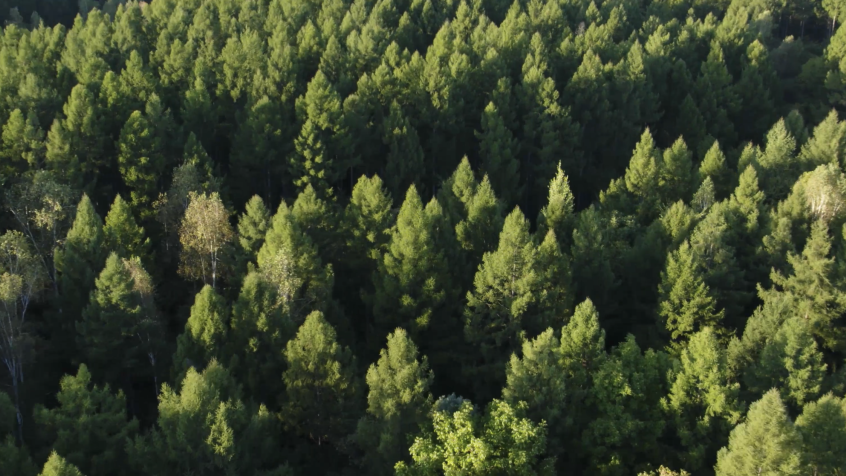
x=422 y=237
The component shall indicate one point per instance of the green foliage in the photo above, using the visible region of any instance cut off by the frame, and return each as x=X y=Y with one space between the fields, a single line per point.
x=58 y=466
x=89 y=426
x=464 y=442
x=398 y=403
x=321 y=388
x=822 y=426
x=122 y=234
x=205 y=332
x=767 y=442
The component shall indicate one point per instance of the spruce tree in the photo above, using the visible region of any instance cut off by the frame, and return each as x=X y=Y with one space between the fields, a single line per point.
x=766 y=443
x=89 y=426
x=643 y=176
x=398 y=403
x=321 y=390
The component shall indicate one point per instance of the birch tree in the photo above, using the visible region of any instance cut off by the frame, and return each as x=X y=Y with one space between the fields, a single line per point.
x=204 y=233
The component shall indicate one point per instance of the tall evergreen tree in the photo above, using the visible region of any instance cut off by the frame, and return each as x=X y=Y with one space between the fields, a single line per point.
x=205 y=333
x=557 y=214
x=767 y=442
x=58 y=466
x=397 y=404
x=122 y=234
x=321 y=386
x=498 y=151
x=822 y=426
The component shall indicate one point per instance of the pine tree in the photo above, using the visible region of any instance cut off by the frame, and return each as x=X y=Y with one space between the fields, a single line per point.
x=257 y=145
x=121 y=233
x=498 y=152
x=410 y=281
x=643 y=175
x=397 y=404
x=703 y=400
x=477 y=233
x=205 y=333
x=558 y=213
x=368 y=219
x=23 y=144
x=108 y=323
x=822 y=426
x=321 y=387
x=827 y=145
x=684 y=301
x=714 y=166
x=58 y=466
x=89 y=426
x=766 y=443
x=505 y=287
x=463 y=442
x=252 y=227
x=405 y=161
x=78 y=262
x=792 y=363
x=716 y=97
x=811 y=288
x=75 y=144
x=317 y=219
x=758 y=89
x=778 y=168
x=676 y=174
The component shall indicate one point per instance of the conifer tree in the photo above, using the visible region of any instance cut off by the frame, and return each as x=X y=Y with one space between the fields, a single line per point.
x=767 y=442
x=676 y=174
x=320 y=383
x=75 y=144
x=257 y=144
x=792 y=363
x=23 y=144
x=557 y=214
x=463 y=442
x=204 y=427
x=498 y=152
x=58 y=466
x=714 y=166
x=410 y=281
x=205 y=333
x=252 y=227
x=828 y=143
x=13 y=457
x=505 y=288
x=404 y=164
x=822 y=426
x=703 y=399
x=398 y=403
x=684 y=301
x=811 y=288
x=477 y=233
x=121 y=233
x=317 y=219
x=643 y=175
x=108 y=323
x=367 y=219
x=78 y=262
x=89 y=426
x=778 y=168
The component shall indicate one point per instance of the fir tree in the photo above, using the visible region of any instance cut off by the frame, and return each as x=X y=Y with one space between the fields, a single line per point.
x=321 y=387
x=767 y=442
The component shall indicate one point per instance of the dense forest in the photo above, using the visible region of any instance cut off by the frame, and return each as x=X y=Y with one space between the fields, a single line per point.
x=422 y=237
